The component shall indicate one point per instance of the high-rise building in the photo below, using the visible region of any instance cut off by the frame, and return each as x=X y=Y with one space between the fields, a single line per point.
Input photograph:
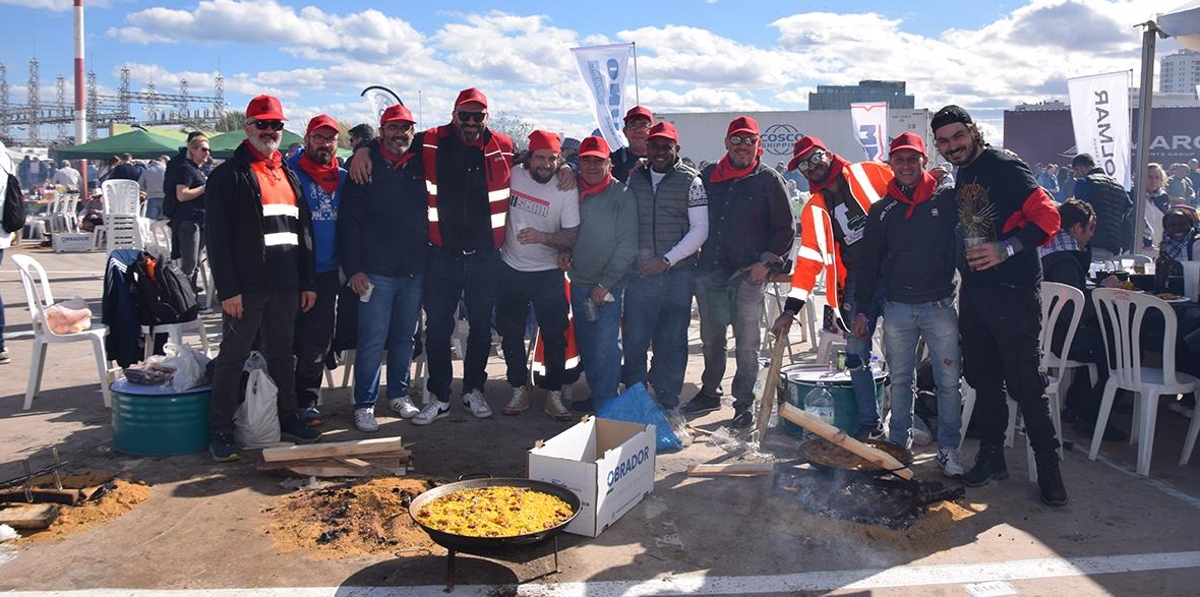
x=1179 y=72
x=839 y=97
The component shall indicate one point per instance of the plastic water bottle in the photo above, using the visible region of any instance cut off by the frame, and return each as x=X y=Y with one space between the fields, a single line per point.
x=818 y=401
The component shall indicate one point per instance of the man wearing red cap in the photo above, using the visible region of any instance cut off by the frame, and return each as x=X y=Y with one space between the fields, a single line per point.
x=750 y=234
x=599 y=265
x=1005 y=215
x=260 y=249
x=382 y=233
x=831 y=229
x=542 y=221
x=909 y=248
x=321 y=179
x=672 y=226
x=638 y=121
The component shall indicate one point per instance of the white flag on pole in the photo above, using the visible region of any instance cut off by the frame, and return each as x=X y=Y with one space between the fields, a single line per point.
x=603 y=69
x=869 y=120
x=1100 y=115
x=380 y=98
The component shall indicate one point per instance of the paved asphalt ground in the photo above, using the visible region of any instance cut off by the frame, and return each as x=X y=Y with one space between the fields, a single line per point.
x=201 y=531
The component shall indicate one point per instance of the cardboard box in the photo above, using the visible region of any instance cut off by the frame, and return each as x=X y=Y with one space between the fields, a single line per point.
x=608 y=464
x=72 y=242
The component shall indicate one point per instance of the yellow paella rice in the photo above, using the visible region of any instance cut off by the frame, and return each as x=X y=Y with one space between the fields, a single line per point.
x=494 y=512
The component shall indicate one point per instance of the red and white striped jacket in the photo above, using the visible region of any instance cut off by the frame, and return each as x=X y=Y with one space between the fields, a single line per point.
x=497 y=165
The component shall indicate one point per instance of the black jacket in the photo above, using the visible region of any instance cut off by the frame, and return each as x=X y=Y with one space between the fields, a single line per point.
x=914 y=258
x=233 y=225
x=1111 y=203
x=749 y=220
x=383 y=225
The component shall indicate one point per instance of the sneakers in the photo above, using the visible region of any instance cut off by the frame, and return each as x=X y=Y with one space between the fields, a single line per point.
x=436 y=409
x=554 y=407
x=700 y=404
x=989 y=464
x=475 y=403
x=871 y=432
x=947 y=460
x=519 y=402
x=1054 y=493
x=742 y=418
x=312 y=417
x=4 y=358
x=295 y=430
x=222 y=448
x=364 y=420
x=404 y=407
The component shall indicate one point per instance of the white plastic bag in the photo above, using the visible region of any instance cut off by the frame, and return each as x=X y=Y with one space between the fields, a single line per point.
x=189 y=365
x=69 y=317
x=256 y=423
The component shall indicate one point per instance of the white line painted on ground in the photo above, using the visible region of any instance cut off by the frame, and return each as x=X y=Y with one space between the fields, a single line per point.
x=900 y=576
x=1162 y=486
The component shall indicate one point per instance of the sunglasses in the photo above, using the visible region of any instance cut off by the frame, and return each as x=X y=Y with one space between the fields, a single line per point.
x=471 y=116
x=322 y=139
x=273 y=125
x=640 y=125
x=816 y=159
x=744 y=139
x=397 y=127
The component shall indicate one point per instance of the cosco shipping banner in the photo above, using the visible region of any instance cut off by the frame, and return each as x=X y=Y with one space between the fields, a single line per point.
x=603 y=69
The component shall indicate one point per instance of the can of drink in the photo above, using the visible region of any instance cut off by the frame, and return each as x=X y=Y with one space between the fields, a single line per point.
x=590 y=310
x=366 y=296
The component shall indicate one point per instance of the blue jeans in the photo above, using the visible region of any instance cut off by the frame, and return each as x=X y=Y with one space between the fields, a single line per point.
x=862 y=378
x=723 y=303
x=389 y=321
x=658 y=310
x=903 y=325
x=154 y=207
x=598 y=344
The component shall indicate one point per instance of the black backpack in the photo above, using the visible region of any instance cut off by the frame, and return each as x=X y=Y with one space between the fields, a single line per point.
x=13 y=218
x=162 y=293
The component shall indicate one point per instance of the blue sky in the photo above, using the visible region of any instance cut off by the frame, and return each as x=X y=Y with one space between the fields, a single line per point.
x=694 y=55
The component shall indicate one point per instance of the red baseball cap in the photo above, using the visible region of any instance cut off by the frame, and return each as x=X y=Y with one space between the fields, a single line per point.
x=265 y=107
x=594 y=147
x=909 y=140
x=665 y=130
x=638 y=112
x=321 y=121
x=804 y=145
x=396 y=112
x=742 y=124
x=470 y=95
x=539 y=140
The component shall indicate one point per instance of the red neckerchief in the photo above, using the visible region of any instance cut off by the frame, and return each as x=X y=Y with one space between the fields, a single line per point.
x=395 y=160
x=836 y=166
x=725 y=170
x=274 y=162
x=325 y=175
x=921 y=193
x=587 y=190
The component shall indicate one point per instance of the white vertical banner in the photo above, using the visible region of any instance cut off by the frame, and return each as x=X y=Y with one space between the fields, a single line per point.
x=869 y=120
x=380 y=98
x=1100 y=117
x=603 y=69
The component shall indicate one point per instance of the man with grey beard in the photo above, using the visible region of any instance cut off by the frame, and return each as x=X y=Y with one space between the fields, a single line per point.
x=260 y=249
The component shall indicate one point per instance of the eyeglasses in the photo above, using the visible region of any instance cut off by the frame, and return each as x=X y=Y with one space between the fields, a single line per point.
x=746 y=139
x=640 y=125
x=471 y=116
x=396 y=127
x=263 y=125
x=322 y=139
x=816 y=159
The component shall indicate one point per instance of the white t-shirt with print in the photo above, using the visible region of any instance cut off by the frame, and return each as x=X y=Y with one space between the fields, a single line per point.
x=542 y=207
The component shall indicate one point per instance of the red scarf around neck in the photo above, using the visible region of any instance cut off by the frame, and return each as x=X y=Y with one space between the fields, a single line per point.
x=725 y=170
x=326 y=176
x=587 y=190
x=921 y=193
x=395 y=160
x=274 y=162
x=836 y=166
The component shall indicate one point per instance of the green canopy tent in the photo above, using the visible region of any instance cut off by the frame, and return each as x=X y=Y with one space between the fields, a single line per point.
x=223 y=145
x=138 y=143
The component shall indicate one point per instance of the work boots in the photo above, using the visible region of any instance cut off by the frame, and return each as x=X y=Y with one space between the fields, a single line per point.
x=989 y=464
x=1049 y=478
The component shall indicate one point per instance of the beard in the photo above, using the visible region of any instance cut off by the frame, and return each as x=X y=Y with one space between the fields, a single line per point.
x=541 y=175
x=266 y=148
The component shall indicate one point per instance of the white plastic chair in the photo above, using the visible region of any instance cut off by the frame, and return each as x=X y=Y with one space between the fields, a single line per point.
x=122 y=231
x=174 y=332
x=1125 y=312
x=121 y=197
x=39 y=297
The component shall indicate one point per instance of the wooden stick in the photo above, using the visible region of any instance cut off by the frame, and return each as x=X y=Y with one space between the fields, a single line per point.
x=350 y=448
x=814 y=424
x=737 y=468
x=769 y=388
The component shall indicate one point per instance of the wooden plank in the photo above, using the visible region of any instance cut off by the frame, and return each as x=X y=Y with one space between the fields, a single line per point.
x=42 y=496
x=347 y=471
x=286 y=464
x=769 y=389
x=355 y=462
x=737 y=468
x=349 y=448
x=29 y=516
x=814 y=424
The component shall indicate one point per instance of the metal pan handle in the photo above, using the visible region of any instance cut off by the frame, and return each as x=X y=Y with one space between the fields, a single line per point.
x=465 y=476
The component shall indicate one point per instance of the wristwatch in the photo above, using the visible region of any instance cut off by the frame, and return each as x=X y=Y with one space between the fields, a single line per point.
x=667 y=261
x=1008 y=248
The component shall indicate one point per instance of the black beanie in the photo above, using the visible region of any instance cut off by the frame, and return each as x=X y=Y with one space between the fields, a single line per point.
x=949 y=115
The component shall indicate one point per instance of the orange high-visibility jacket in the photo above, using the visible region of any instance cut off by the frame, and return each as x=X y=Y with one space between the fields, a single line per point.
x=818 y=249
